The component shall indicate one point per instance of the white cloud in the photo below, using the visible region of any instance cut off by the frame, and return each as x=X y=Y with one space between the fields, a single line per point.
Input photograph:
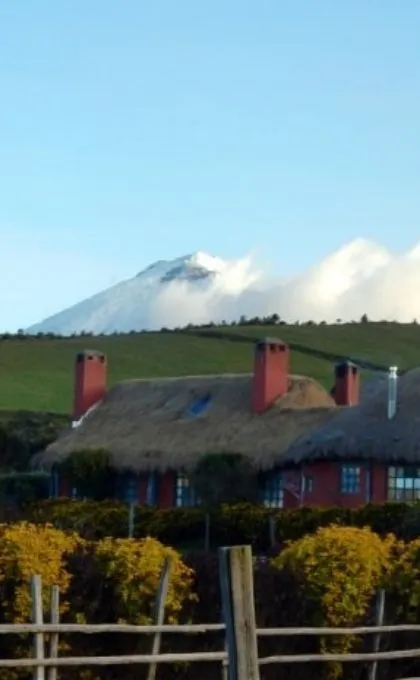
x=360 y=278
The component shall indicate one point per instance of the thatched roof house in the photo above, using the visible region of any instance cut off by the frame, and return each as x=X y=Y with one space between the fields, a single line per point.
x=365 y=432
x=168 y=423
x=155 y=431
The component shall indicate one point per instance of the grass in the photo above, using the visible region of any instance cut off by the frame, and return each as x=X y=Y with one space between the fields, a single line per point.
x=37 y=374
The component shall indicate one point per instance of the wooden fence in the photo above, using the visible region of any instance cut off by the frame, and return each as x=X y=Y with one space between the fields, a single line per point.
x=239 y=659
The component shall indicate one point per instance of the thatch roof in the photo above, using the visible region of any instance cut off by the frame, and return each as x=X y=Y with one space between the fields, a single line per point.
x=148 y=424
x=364 y=432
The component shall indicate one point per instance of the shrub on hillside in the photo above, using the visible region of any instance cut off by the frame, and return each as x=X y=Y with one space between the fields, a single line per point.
x=405 y=585
x=25 y=433
x=111 y=580
x=341 y=569
x=27 y=550
x=133 y=569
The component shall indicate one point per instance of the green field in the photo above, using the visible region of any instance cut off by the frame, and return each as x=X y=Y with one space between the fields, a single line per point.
x=37 y=374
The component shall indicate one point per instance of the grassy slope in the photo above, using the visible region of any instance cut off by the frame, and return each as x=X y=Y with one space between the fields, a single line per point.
x=38 y=374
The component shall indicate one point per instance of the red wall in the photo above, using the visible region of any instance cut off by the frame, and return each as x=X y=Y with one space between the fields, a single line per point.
x=64 y=487
x=166 y=493
x=142 y=488
x=326 y=487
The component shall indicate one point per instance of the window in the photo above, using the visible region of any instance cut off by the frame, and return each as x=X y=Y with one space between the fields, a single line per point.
x=403 y=483
x=350 y=479
x=185 y=493
x=197 y=407
x=152 y=489
x=273 y=495
x=308 y=483
x=54 y=484
x=77 y=495
x=126 y=488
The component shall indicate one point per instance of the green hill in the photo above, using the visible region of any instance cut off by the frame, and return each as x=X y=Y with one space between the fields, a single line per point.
x=37 y=373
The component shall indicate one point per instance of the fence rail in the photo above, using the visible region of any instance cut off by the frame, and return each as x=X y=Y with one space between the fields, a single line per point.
x=239 y=659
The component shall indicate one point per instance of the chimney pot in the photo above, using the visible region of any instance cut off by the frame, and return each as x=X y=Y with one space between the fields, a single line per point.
x=90 y=381
x=346 y=391
x=271 y=373
x=392 y=391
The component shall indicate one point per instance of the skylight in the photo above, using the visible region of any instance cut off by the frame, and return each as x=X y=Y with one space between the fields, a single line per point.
x=198 y=406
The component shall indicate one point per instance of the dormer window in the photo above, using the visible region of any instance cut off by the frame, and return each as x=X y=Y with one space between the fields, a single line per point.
x=198 y=406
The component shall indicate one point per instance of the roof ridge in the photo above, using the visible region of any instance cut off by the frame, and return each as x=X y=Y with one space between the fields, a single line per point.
x=208 y=376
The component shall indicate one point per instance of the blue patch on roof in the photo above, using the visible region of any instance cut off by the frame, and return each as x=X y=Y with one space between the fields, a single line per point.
x=199 y=405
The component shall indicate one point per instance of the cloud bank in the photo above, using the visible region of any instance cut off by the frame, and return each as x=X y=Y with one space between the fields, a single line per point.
x=360 y=278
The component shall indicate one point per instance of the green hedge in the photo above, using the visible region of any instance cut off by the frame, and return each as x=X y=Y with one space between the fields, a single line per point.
x=229 y=525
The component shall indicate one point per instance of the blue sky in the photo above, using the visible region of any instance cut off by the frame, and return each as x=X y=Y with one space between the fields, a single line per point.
x=132 y=131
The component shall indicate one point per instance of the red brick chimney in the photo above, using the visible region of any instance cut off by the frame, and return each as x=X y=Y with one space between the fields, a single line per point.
x=90 y=381
x=347 y=384
x=271 y=373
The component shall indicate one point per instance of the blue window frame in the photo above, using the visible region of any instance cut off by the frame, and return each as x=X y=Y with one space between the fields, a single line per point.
x=152 y=489
x=54 y=484
x=185 y=495
x=127 y=488
x=404 y=483
x=76 y=494
x=350 y=475
x=273 y=493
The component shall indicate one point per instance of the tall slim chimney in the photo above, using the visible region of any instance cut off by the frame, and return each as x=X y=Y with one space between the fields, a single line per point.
x=346 y=391
x=271 y=373
x=392 y=391
x=90 y=381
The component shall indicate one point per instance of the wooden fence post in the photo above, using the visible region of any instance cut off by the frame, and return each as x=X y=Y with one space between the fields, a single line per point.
x=272 y=531
x=237 y=589
x=379 y=621
x=207 y=532
x=162 y=595
x=131 y=513
x=55 y=619
x=37 y=618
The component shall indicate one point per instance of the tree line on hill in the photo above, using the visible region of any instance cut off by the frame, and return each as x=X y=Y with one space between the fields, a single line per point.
x=243 y=321
x=22 y=435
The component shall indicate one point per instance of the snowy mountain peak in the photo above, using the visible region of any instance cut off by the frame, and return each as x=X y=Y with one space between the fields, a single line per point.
x=198 y=259
x=359 y=278
x=199 y=266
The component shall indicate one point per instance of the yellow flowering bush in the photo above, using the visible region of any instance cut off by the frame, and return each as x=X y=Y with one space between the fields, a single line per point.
x=134 y=567
x=341 y=567
x=29 y=549
x=406 y=581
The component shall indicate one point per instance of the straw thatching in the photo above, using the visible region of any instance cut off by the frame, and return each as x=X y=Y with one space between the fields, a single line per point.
x=147 y=424
x=365 y=432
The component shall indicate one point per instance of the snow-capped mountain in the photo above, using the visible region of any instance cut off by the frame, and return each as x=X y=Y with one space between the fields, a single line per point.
x=360 y=278
x=132 y=304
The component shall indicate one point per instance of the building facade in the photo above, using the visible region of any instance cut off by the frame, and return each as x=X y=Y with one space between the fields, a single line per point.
x=274 y=413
